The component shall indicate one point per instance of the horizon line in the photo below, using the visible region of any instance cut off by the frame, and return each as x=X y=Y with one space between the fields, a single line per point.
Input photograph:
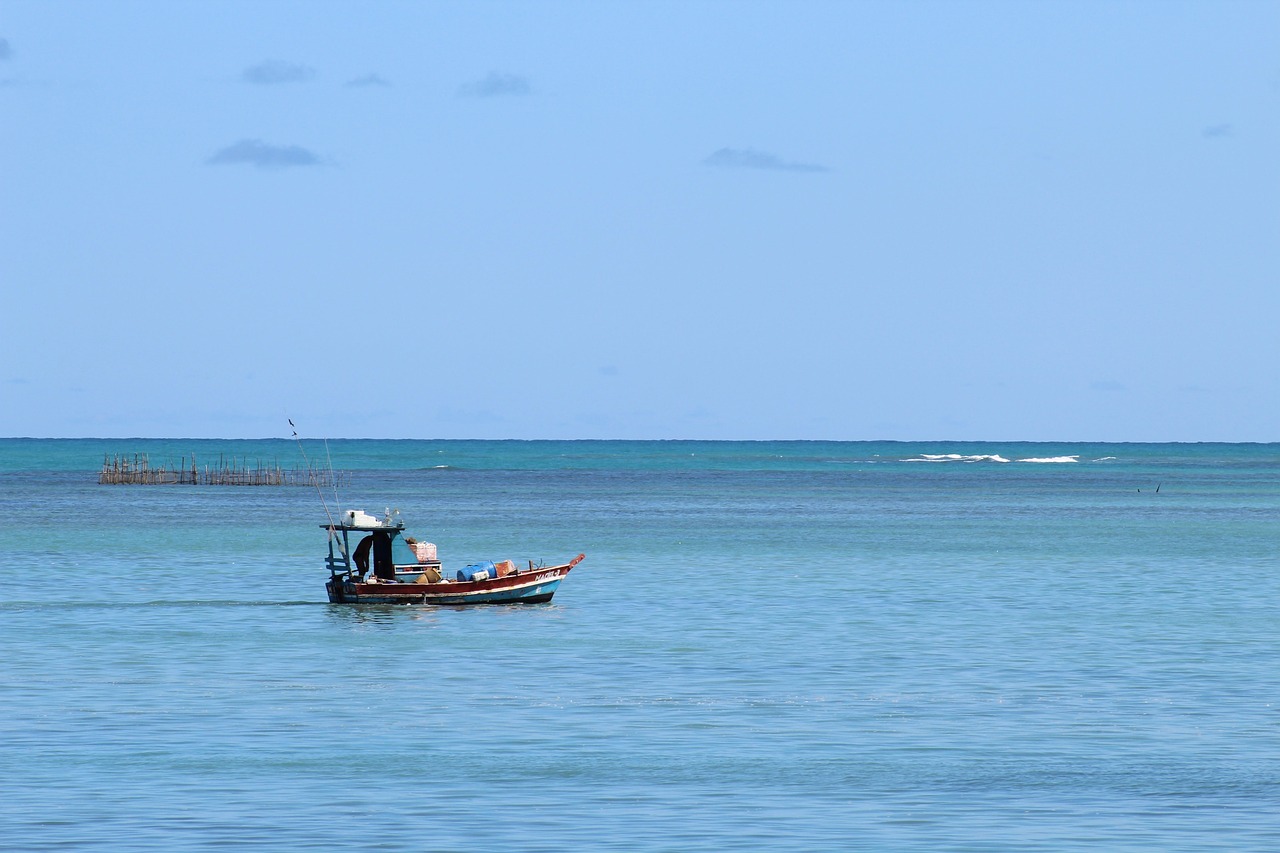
x=690 y=440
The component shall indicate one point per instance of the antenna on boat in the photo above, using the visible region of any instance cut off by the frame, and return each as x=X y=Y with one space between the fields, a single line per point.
x=323 y=503
x=333 y=478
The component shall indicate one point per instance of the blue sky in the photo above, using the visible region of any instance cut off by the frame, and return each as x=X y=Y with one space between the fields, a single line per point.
x=854 y=220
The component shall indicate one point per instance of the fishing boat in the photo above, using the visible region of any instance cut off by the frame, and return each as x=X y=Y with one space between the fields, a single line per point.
x=371 y=561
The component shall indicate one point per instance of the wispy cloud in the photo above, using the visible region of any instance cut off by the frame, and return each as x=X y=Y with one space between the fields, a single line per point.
x=255 y=152
x=6 y=52
x=496 y=85
x=1217 y=131
x=749 y=158
x=368 y=80
x=274 y=71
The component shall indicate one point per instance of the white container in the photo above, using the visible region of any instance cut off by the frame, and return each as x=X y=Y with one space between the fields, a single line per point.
x=360 y=518
x=425 y=552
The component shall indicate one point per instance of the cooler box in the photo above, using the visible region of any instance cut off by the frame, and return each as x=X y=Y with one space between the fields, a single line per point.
x=360 y=518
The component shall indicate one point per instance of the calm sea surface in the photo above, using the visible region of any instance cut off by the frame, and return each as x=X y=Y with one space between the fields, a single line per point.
x=792 y=645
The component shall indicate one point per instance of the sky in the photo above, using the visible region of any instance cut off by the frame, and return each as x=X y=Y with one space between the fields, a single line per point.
x=1054 y=221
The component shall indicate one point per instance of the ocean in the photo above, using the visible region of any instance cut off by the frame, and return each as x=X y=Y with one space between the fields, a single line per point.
x=770 y=646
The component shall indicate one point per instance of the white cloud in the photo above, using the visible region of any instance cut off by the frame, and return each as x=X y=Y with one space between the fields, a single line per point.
x=255 y=152
x=273 y=72
x=749 y=158
x=367 y=81
x=497 y=85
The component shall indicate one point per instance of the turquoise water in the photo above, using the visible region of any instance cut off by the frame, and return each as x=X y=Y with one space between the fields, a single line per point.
x=770 y=646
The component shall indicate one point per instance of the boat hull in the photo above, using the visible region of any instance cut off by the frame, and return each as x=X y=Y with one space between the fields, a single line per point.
x=535 y=586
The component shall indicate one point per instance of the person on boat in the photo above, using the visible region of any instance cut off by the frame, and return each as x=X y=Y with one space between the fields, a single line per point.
x=361 y=555
x=383 y=567
x=380 y=544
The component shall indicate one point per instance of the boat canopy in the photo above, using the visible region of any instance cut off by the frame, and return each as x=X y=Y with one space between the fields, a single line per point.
x=358 y=536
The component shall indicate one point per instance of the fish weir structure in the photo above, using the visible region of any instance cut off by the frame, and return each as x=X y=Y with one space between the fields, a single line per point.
x=136 y=470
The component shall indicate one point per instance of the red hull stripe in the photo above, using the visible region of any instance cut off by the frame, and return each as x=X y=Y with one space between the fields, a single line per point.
x=461 y=588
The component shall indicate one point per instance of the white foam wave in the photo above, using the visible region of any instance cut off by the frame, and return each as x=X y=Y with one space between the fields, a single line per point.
x=1051 y=460
x=956 y=457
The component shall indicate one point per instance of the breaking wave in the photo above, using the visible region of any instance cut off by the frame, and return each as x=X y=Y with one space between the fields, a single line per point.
x=955 y=457
x=989 y=457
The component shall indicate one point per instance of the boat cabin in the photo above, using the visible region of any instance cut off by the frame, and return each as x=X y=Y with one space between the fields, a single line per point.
x=361 y=544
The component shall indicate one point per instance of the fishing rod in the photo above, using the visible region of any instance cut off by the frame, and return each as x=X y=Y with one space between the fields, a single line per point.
x=314 y=480
x=333 y=478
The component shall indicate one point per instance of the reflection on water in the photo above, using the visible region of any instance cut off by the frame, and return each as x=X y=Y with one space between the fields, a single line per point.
x=377 y=614
x=395 y=614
